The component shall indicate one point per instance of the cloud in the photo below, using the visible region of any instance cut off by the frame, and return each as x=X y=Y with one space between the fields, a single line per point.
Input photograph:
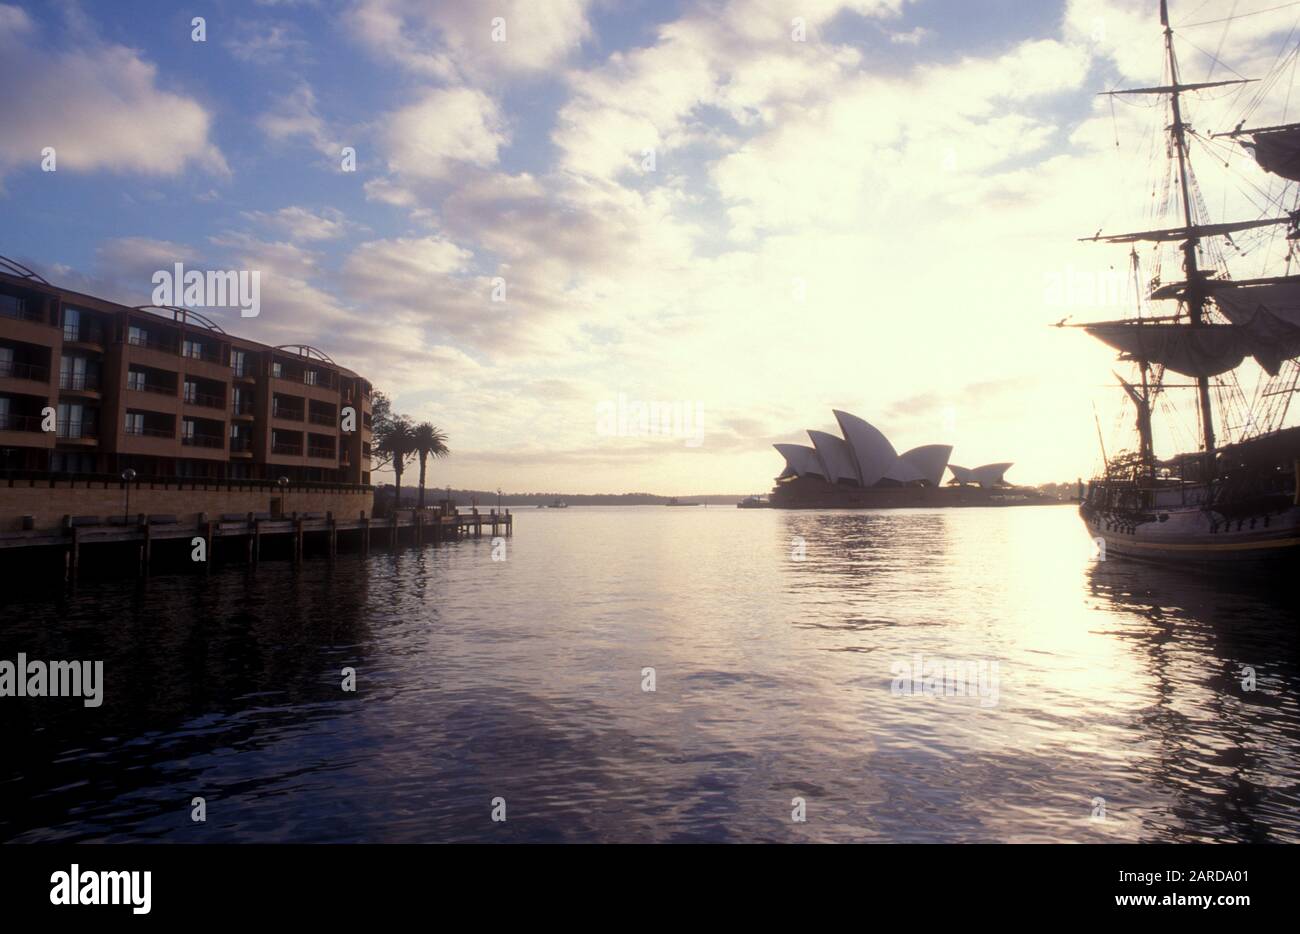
x=453 y=39
x=262 y=43
x=442 y=131
x=302 y=223
x=295 y=116
x=98 y=105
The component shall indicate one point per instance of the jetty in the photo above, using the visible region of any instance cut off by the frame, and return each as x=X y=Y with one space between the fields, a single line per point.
x=80 y=538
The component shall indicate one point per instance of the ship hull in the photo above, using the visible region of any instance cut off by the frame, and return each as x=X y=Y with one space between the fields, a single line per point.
x=1198 y=537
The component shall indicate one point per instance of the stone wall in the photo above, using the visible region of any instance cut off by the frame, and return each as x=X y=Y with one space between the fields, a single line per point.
x=49 y=501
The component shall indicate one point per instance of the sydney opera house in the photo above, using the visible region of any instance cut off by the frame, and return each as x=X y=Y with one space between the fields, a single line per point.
x=863 y=470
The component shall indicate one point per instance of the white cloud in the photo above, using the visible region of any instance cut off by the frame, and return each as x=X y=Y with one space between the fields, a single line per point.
x=302 y=223
x=99 y=106
x=453 y=39
x=295 y=115
x=442 y=131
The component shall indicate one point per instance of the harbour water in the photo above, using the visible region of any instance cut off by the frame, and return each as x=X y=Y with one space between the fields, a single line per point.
x=1110 y=706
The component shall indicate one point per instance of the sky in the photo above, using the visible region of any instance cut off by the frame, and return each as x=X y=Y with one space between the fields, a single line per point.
x=743 y=212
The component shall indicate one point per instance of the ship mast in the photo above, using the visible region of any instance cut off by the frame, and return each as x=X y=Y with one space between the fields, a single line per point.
x=1195 y=295
x=1143 y=402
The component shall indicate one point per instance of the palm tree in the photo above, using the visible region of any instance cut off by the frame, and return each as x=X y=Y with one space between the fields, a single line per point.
x=395 y=444
x=428 y=440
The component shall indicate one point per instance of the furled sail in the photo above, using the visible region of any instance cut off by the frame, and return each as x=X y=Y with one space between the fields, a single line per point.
x=1268 y=313
x=1278 y=151
x=1207 y=350
x=1189 y=233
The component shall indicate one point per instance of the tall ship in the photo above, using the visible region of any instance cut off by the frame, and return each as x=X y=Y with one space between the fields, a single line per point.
x=1233 y=500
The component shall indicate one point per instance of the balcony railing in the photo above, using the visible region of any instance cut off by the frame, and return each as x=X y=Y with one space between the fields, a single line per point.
x=82 y=381
x=241 y=371
x=281 y=447
x=205 y=399
x=77 y=428
x=292 y=415
x=243 y=407
x=150 y=343
x=16 y=370
x=203 y=441
x=319 y=418
x=202 y=353
x=241 y=445
x=318 y=451
x=19 y=422
x=13 y=307
x=83 y=333
x=161 y=389
x=141 y=432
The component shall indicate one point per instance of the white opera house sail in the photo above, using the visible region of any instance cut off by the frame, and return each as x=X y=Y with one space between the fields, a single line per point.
x=863 y=469
x=1196 y=343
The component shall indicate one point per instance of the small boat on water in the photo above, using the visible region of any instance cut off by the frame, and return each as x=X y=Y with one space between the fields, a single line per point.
x=676 y=502
x=1228 y=505
x=559 y=504
x=753 y=502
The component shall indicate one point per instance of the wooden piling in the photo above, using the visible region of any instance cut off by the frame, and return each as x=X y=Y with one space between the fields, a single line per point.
x=146 y=550
x=74 y=554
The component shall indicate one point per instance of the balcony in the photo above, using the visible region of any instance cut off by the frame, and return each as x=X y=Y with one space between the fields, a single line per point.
x=137 y=432
x=79 y=382
x=241 y=445
x=150 y=342
x=287 y=449
x=207 y=354
x=205 y=399
x=320 y=451
x=243 y=408
x=13 y=369
x=322 y=418
x=286 y=413
x=83 y=333
x=203 y=441
x=20 y=423
x=19 y=309
x=81 y=429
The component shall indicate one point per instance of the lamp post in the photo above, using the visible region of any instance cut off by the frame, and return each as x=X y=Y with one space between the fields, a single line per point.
x=283 y=484
x=498 y=501
x=127 y=476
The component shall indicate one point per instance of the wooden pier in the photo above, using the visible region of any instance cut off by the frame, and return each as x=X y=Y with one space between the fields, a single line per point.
x=412 y=526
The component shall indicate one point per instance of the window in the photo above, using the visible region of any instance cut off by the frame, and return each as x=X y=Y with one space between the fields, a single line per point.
x=137 y=336
x=78 y=373
x=6 y=361
x=193 y=348
x=309 y=377
x=11 y=306
x=277 y=370
x=71 y=422
x=135 y=380
x=135 y=423
x=187 y=428
x=191 y=391
x=239 y=362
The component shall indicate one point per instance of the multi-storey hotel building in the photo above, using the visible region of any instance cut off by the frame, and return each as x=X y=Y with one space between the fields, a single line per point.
x=168 y=394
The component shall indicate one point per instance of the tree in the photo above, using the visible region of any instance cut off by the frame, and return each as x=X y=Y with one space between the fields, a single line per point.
x=381 y=423
x=395 y=445
x=428 y=440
